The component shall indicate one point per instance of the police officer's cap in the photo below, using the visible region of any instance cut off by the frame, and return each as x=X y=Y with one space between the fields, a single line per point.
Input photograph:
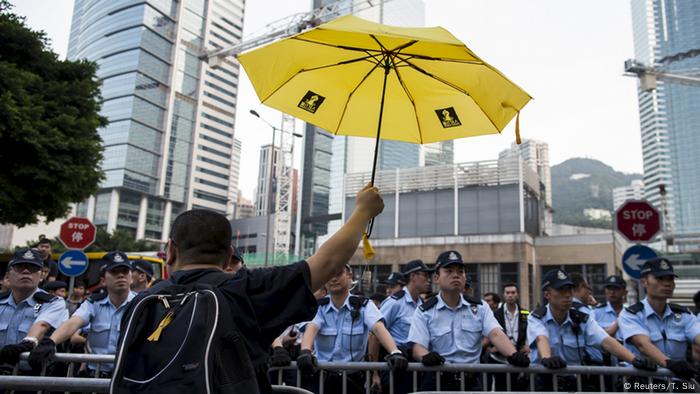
x=115 y=260
x=556 y=279
x=615 y=281
x=55 y=285
x=415 y=266
x=143 y=266
x=659 y=267
x=394 y=278
x=27 y=256
x=450 y=257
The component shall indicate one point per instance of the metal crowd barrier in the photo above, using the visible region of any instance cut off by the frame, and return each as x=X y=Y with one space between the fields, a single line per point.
x=99 y=385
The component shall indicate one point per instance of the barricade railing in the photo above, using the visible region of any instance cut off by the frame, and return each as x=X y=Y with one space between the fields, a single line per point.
x=626 y=377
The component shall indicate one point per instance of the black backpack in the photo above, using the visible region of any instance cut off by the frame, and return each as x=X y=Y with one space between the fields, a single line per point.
x=182 y=338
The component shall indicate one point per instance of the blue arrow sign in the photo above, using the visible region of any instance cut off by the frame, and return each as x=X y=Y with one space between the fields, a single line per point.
x=635 y=257
x=73 y=263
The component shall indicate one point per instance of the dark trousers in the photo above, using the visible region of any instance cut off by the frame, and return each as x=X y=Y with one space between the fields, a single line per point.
x=333 y=382
x=451 y=381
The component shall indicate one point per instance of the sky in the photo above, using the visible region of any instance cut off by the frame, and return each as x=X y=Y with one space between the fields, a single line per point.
x=568 y=55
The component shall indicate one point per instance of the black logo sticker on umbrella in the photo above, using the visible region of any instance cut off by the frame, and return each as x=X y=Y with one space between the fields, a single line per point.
x=448 y=117
x=311 y=102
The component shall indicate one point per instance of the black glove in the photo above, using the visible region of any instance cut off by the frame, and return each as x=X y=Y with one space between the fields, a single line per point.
x=10 y=353
x=43 y=352
x=681 y=369
x=397 y=362
x=280 y=357
x=519 y=359
x=554 y=362
x=644 y=364
x=306 y=362
x=432 y=359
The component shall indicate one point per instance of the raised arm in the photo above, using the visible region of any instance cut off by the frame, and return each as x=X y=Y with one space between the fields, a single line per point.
x=338 y=250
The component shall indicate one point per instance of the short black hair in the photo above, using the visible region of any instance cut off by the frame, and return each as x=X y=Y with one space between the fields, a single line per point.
x=578 y=280
x=201 y=237
x=496 y=297
x=44 y=241
x=696 y=297
x=511 y=284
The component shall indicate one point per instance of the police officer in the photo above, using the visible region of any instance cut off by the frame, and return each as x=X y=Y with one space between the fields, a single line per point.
x=560 y=335
x=141 y=275
x=606 y=314
x=398 y=311
x=657 y=329
x=449 y=327
x=27 y=313
x=339 y=332
x=236 y=263
x=57 y=288
x=394 y=283
x=582 y=295
x=103 y=312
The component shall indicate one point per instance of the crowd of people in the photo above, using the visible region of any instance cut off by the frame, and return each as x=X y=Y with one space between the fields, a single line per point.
x=307 y=312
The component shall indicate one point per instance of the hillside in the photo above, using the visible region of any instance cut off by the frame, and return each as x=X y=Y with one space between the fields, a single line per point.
x=579 y=184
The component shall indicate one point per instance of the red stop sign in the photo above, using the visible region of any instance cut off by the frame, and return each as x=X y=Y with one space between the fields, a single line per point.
x=77 y=233
x=637 y=220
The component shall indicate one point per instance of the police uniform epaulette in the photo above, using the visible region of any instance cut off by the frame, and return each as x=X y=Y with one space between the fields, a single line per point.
x=578 y=316
x=472 y=300
x=5 y=294
x=601 y=306
x=42 y=297
x=94 y=297
x=399 y=294
x=431 y=302
x=539 y=312
x=577 y=304
x=636 y=308
x=358 y=301
x=675 y=308
x=324 y=301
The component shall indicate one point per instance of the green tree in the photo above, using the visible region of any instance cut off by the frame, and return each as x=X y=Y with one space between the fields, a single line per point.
x=106 y=242
x=50 y=150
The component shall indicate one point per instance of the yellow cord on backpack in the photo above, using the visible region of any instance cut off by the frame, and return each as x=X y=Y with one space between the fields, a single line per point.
x=155 y=337
x=367 y=249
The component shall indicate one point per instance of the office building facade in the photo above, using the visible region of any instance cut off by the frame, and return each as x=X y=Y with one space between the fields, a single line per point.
x=669 y=114
x=169 y=145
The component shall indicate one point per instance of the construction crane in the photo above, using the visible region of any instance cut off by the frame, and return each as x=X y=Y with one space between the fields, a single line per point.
x=293 y=24
x=648 y=75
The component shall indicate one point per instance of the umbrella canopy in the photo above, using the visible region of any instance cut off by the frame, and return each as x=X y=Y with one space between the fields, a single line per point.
x=354 y=77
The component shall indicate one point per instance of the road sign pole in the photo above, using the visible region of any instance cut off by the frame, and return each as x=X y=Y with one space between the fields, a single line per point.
x=71 y=285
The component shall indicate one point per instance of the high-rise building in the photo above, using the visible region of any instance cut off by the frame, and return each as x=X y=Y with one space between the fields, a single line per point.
x=169 y=145
x=437 y=153
x=244 y=207
x=535 y=154
x=669 y=114
x=635 y=191
x=262 y=197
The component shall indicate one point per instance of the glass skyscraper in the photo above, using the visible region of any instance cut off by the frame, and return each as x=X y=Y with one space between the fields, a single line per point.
x=169 y=145
x=670 y=114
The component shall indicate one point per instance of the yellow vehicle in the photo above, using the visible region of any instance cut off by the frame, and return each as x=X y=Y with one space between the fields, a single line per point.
x=91 y=277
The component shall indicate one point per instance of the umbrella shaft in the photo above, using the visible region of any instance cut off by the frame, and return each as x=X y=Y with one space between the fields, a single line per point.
x=379 y=126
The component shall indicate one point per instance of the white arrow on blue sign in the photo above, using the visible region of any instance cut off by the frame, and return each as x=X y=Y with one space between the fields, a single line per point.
x=73 y=263
x=635 y=257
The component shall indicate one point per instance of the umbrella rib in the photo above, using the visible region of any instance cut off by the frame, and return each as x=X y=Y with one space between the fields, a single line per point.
x=342 y=116
x=413 y=103
x=442 y=59
x=344 y=62
x=453 y=86
x=349 y=48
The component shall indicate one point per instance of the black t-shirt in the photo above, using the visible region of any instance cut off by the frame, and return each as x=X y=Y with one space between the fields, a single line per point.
x=263 y=302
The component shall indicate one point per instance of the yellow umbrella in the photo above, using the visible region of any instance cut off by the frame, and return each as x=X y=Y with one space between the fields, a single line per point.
x=354 y=77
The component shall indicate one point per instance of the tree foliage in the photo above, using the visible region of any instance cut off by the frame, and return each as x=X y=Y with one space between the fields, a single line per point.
x=50 y=150
x=105 y=242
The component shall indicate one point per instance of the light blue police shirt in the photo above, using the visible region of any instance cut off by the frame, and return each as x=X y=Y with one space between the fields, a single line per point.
x=104 y=320
x=583 y=307
x=398 y=313
x=678 y=329
x=605 y=316
x=562 y=339
x=453 y=333
x=340 y=338
x=17 y=319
